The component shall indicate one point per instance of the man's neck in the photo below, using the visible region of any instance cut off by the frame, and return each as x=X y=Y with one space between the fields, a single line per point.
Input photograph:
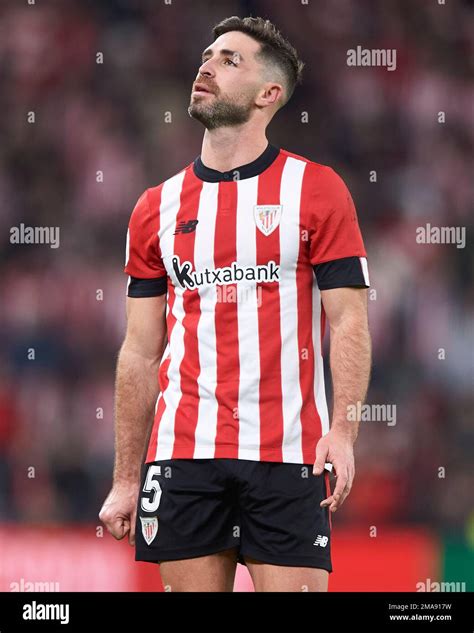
x=227 y=148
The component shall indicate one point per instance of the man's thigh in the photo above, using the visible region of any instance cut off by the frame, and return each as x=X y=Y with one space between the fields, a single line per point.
x=215 y=572
x=268 y=577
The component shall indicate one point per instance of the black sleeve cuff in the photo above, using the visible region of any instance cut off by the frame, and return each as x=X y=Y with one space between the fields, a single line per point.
x=147 y=287
x=341 y=273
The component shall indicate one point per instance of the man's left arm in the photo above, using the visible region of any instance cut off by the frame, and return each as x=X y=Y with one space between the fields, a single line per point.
x=350 y=362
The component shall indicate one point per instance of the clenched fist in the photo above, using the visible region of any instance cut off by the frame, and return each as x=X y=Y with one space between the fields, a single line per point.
x=119 y=510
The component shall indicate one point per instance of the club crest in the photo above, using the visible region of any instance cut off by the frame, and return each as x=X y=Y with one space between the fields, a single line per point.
x=267 y=217
x=149 y=528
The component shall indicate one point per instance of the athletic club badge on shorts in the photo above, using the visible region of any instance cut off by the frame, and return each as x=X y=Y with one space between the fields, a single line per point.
x=267 y=217
x=149 y=528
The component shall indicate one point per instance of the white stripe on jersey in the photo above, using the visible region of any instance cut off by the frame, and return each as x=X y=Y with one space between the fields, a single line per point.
x=365 y=269
x=247 y=317
x=170 y=204
x=206 y=330
x=319 y=387
x=127 y=255
x=290 y=197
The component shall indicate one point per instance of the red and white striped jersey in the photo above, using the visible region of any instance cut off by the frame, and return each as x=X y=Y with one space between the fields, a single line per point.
x=243 y=256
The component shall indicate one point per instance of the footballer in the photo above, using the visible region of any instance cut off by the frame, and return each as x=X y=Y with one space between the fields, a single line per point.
x=224 y=442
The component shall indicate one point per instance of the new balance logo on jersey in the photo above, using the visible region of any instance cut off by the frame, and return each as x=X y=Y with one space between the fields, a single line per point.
x=321 y=541
x=186 y=227
x=188 y=278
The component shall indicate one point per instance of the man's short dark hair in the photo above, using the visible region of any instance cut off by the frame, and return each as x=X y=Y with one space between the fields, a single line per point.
x=275 y=49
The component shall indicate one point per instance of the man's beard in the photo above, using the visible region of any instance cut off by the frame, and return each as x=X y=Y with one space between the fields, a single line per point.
x=221 y=113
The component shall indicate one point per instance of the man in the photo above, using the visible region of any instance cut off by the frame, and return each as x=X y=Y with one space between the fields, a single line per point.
x=234 y=265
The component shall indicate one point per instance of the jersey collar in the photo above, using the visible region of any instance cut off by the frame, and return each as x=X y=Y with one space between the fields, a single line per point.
x=255 y=168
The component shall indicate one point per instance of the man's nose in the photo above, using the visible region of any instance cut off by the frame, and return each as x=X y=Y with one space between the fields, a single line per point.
x=206 y=69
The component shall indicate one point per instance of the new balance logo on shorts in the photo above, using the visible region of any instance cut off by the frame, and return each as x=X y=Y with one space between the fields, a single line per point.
x=321 y=541
x=186 y=227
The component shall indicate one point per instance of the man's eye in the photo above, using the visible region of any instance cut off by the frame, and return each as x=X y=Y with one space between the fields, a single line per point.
x=230 y=61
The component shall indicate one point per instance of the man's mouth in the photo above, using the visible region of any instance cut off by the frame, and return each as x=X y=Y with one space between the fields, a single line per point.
x=202 y=89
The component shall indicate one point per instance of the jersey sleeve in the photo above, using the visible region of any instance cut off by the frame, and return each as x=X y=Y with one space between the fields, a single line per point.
x=144 y=265
x=337 y=250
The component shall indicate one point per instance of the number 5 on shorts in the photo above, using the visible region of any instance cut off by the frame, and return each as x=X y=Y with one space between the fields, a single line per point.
x=151 y=485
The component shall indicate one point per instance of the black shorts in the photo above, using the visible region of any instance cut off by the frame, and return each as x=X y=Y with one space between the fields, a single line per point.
x=269 y=511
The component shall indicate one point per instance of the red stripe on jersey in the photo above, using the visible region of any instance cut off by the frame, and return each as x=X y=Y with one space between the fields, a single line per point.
x=310 y=421
x=163 y=380
x=154 y=199
x=227 y=331
x=271 y=400
x=187 y=411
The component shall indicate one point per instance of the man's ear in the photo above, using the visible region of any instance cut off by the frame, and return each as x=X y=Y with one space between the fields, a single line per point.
x=270 y=94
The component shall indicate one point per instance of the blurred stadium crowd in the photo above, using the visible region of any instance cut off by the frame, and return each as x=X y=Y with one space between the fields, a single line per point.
x=110 y=117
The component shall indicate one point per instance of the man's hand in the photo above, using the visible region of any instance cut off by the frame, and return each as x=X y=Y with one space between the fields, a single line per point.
x=120 y=509
x=337 y=448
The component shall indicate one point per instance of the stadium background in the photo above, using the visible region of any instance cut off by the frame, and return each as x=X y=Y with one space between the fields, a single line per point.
x=56 y=446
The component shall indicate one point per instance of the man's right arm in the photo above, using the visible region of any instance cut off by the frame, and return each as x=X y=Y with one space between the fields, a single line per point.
x=136 y=392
